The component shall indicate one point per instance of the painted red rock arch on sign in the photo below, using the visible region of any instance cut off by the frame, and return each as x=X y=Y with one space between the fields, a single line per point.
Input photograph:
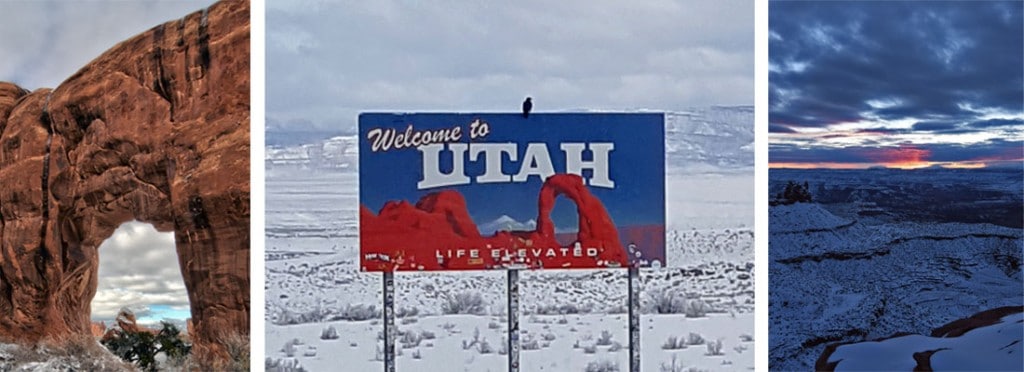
x=438 y=234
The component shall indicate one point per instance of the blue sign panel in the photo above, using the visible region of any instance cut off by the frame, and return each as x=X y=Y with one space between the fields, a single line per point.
x=490 y=191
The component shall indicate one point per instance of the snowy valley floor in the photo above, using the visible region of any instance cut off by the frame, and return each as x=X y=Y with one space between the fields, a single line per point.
x=572 y=317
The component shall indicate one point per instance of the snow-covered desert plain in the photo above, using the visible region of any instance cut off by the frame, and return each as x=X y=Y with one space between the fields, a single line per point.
x=324 y=315
x=884 y=253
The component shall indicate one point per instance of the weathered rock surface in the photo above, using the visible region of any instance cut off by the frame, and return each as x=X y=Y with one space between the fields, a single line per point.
x=155 y=129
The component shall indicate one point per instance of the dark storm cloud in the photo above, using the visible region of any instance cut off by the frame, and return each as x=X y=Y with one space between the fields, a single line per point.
x=840 y=62
x=934 y=126
x=997 y=123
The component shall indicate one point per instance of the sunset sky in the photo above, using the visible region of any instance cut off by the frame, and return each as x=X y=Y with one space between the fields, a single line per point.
x=896 y=84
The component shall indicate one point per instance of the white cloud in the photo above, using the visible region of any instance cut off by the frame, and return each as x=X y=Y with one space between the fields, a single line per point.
x=138 y=269
x=43 y=42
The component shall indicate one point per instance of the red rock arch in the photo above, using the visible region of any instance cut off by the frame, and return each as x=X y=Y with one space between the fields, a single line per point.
x=596 y=228
x=156 y=129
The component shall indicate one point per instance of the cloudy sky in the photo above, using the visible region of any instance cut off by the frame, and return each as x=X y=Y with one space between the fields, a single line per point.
x=327 y=61
x=44 y=42
x=139 y=269
x=896 y=84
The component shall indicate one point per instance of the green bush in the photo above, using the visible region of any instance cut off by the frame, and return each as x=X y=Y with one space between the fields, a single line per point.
x=141 y=347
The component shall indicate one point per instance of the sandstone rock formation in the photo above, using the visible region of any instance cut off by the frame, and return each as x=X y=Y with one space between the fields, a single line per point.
x=155 y=129
x=407 y=237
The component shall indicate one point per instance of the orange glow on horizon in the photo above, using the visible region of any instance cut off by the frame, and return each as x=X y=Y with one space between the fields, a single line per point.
x=965 y=165
x=904 y=166
x=903 y=157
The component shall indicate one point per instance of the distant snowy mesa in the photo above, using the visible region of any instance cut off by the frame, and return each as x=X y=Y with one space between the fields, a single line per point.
x=721 y=137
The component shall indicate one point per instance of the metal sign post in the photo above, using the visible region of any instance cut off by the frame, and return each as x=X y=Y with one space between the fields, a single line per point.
x=634 y=318
x=513 y=320
x=389 y=321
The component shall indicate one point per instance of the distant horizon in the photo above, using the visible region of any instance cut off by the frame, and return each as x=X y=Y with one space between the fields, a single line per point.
x=1007 y=165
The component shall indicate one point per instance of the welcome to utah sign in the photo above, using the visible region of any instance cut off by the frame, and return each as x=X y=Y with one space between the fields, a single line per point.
x=482 y=191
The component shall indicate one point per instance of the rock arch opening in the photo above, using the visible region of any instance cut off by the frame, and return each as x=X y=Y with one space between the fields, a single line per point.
x=139 y=270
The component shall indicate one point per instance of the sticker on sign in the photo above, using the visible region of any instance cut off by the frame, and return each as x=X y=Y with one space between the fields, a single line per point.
x=458 y=191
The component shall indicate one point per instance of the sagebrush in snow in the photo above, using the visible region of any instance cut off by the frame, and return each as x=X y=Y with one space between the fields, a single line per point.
x=329 y=333
x=696 y=308
x=602 y=366
x=694 y=339
x=715 y=348
x=283 y=365
x=464 y=303
x=674 y=343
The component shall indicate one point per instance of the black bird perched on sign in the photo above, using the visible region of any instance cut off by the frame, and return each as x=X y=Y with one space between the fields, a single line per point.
x=527 y=106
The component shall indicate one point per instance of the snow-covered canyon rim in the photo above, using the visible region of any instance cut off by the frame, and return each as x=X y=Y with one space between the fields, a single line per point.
x=880 y=253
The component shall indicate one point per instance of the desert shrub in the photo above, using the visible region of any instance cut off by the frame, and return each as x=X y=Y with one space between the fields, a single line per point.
x=329 y=333
x=427 y=335
x=674 y=366
x=406 y=321
x=715 y=348
x=602 y=366
x=484 y=347
x=359 y=312
x=665 y=301
x=404 y=312
x=616 y=347
x=481 y=344
x=283 y=365
x=410 y=340
x=416 y=354
x=696 y=308
x=530 y=344
x=605 y=339
x=464 y=303
x=590 y=349
x=673 y=343
x=141 y=347
x=694 y=339
x=289 y=348
x=493 y=325
x=746 y=338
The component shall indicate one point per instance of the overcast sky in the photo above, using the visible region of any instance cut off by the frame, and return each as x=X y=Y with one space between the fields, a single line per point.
x=327 y=61
x=898 y=84
x=44 y=42
x=41 y=44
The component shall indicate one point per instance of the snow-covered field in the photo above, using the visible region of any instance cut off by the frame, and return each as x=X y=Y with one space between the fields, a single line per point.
x=313 y=282
x=569 y=318
x=838 y=275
